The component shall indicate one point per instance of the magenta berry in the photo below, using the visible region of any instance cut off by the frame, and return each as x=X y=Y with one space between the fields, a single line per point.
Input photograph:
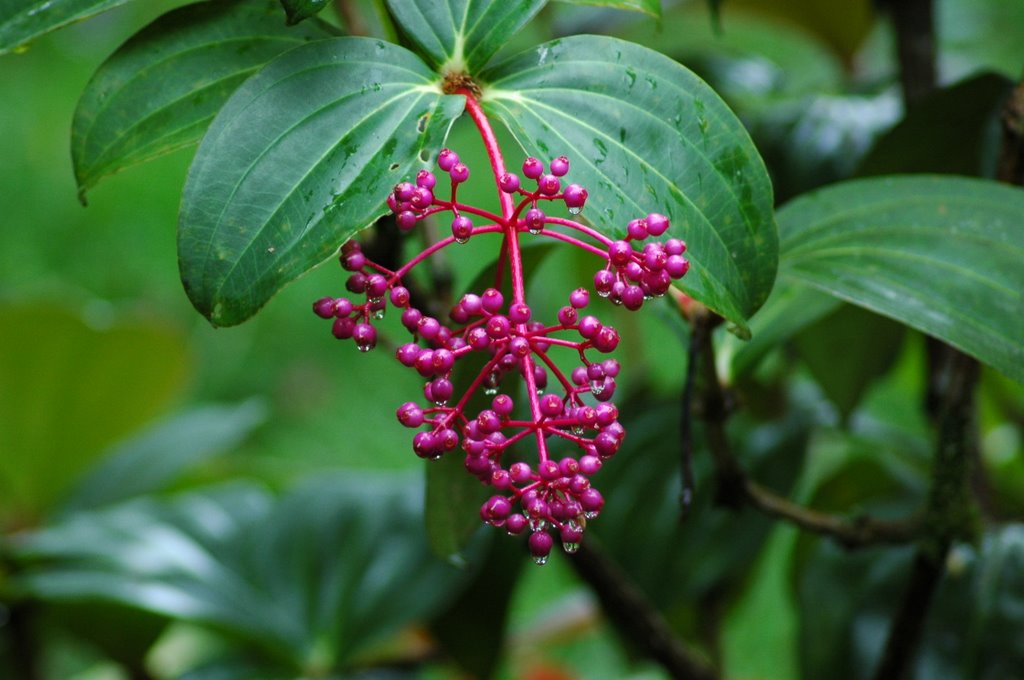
x=447 y=159
x=547 y=496
x=533 y=168
x=559 y=166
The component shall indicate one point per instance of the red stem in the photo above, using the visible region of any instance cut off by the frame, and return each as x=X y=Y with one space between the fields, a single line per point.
x=515 y=258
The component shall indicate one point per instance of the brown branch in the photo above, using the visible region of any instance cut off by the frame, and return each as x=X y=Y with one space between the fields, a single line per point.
x=949 y=517
x=914 y=22
x=350 y=16
x=736 y=489
x=635 y=616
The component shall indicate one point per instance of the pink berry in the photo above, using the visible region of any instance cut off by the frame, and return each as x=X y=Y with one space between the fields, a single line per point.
x=459 y=173
x=447 y=159
x=509 y=183
x=657 y=224
x=560 y=166
x=533 y=168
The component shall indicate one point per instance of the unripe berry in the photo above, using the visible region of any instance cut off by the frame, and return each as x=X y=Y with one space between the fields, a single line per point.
x=492 y=300
x=677 y=266
x=426 y=179
x=459 y=173
x=404 y=191
x=551 y=405
x=406 y=220
x=520 y=473
x=533 y=168
x=603 y=281
x=548 y=185
x=560 y=166
x=509 y=183
x=447 y=159
x=519 y=312
x=540 y=546
x=400 y=296
x=534 y=220
x=674 y=246
x=408 y=353
x=410 y=414
x=567 y=316
x=575 y=198
x=637 y=230
x=324 y=307
x=657 y=224
x=343 y=328
x=589 y=326
x=619 y=253
x=462 y=228
x=606 y=340
x=365 y=336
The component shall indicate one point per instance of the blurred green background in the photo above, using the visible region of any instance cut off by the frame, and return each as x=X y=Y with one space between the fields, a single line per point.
x=126 y=418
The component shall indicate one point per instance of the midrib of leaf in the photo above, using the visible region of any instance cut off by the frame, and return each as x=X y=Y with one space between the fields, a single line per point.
x=313 y=167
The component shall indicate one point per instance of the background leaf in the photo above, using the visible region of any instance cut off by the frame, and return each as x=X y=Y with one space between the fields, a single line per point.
x=651 y=7
x=337 y=564
x=23 y=20
x=60 y=380
x=300 y=158
x=150 y=460
x=161 y=89
x=939 y=254
x=644 y=134
x=461 y=35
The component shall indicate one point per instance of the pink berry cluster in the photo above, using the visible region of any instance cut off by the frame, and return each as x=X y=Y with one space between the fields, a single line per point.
x=566 y=411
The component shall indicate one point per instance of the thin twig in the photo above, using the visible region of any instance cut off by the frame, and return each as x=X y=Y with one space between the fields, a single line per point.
x=635 y=616
x=736 y=489
x=351 y=17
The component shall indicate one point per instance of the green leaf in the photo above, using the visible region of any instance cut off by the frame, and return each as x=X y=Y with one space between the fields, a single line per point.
x=651 y=7
x=298 y=10
x=159 y=91
x=152 y=459
x=868 y=344
x=23 y=20
x=336 y=565
x=459 y=36
x=940 y=254
x=299 y=159
x=68 y=390
x=644 y=134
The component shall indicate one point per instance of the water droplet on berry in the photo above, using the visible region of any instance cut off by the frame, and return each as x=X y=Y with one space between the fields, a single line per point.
x=597 y=386
x=462 y=240
x=378 y=314
x=575 y=211
x=535 y=230
x=363 y=348
x=540 y=559
x=590 y=514
x=570 y=548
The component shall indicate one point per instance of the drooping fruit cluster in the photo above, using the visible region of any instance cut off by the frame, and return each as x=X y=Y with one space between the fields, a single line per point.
x=548 y=494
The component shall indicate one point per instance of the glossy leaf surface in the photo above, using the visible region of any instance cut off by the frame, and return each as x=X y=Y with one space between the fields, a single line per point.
x=461 y=35
x=23 y=20
x=161 y=89
x=940 y=254
x=644 y=134
x=301 y=158
x=336 y=564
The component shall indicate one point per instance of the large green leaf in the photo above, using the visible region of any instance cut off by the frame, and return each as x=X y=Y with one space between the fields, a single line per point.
x=300 y=158
x=335 y=565
x=940 y=254
x=68 y=389
x=161 y=89
x=23 y=20
x=645 y=134
x=461 y=35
